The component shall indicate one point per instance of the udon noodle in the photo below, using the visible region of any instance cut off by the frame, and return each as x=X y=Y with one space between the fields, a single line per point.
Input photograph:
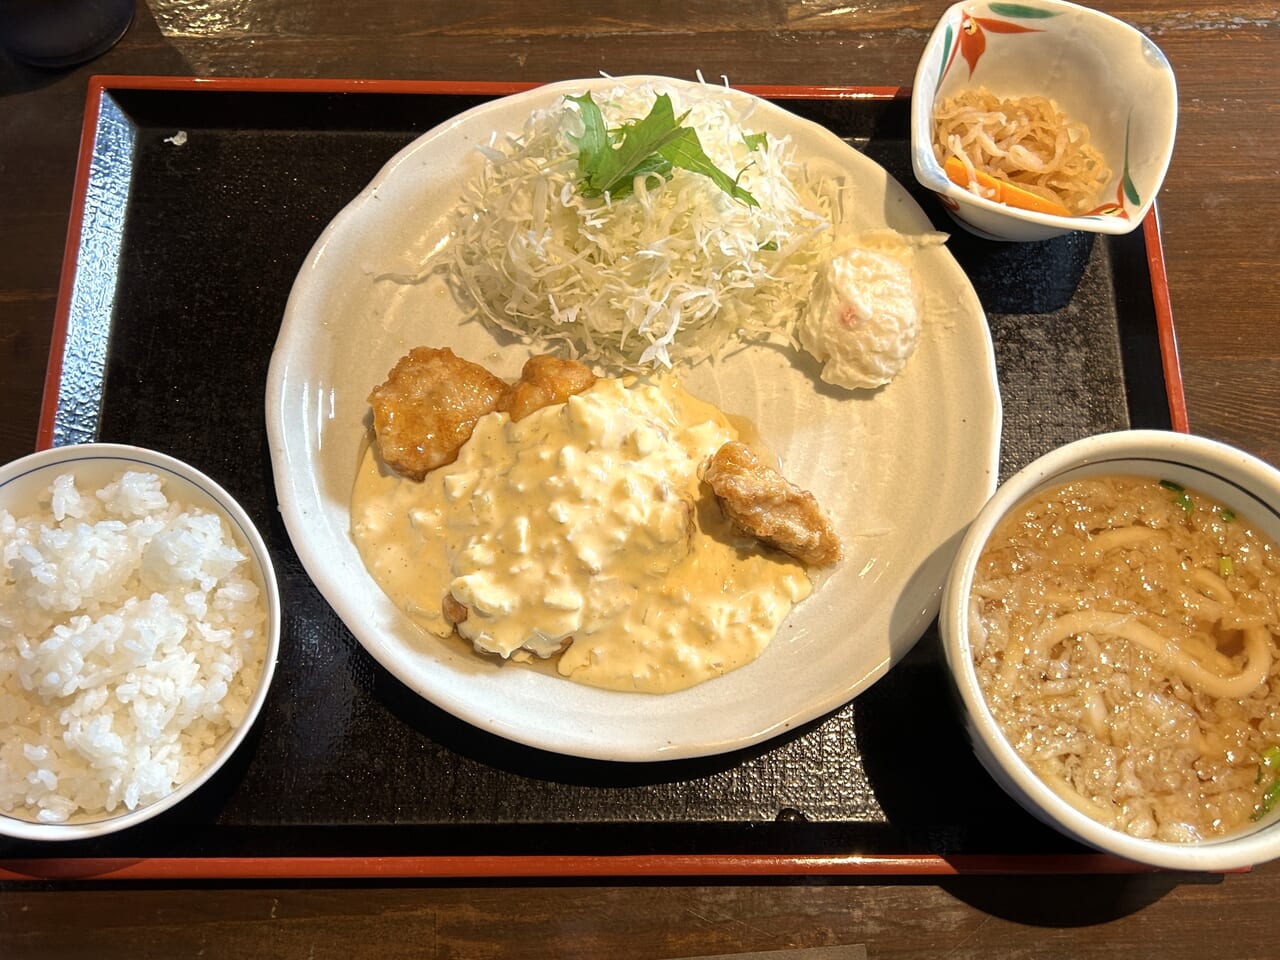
x=1026 y=141
x=1124 y=633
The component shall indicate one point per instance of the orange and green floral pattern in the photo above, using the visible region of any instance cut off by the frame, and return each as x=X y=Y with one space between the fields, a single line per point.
x=1125 y=189
x=971 y=42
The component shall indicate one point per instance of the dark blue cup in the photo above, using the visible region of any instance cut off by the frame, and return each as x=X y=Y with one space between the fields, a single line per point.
x=61 y=33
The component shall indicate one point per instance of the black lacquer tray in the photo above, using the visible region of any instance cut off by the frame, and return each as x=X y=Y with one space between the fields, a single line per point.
x=196 y=204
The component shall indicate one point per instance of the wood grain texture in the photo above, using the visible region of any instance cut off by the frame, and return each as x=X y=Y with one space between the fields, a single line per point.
x=1220 y=216
x=1143 y=916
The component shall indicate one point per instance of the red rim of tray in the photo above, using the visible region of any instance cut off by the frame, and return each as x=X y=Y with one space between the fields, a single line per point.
x=530 y=866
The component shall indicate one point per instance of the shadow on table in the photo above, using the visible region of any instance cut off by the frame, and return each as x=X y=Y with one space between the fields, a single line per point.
x=500 y=754
x=1068 y=901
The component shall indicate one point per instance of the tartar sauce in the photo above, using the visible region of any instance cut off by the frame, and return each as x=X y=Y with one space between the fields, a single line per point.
x=582 y=530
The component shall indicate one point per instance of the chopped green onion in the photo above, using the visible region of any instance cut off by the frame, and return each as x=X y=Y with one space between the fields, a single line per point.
x=1226 y=515
x=1270 y=761
x=1170 y=485
x=1225 y=566
x=1185 y=503
x=1268 y=801
x=1268 y=764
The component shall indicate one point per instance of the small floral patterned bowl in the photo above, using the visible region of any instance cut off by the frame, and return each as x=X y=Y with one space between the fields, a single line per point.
x=1098 y=70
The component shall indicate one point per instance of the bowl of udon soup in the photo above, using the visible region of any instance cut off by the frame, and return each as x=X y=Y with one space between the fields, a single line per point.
x=1112 y=627
x=1036 y=118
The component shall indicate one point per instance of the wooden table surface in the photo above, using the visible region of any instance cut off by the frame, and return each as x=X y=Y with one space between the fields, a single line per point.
x=1221 y=233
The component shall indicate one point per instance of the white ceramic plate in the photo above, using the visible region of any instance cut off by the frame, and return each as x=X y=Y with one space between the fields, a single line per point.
x=903 y=469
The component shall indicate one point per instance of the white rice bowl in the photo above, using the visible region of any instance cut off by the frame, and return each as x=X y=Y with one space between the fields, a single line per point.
x=139 y=627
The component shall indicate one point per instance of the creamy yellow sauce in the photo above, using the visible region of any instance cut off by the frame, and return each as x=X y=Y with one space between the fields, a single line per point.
x=582 y=528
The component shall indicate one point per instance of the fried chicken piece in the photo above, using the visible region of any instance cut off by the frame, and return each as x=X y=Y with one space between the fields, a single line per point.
x=454 y=612
x=428 y=407
x=543 y=381
x=761 y=502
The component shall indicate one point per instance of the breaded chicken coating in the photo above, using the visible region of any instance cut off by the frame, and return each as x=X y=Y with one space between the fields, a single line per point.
x=428 y=407
x=454 y=611
x=543 y=381
x=761 y=502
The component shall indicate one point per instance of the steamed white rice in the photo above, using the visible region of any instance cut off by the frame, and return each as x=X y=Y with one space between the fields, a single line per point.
x=132 y=634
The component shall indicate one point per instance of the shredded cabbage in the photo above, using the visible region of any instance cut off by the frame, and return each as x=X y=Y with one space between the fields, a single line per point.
x=673 y=273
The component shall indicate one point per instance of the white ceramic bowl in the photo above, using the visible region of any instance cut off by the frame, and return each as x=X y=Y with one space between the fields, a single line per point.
x=1099 y=70
x=1243 y=483
x=94 y=465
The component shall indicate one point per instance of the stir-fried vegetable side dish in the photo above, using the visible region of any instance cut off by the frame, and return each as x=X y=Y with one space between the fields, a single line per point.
x=1021 y=151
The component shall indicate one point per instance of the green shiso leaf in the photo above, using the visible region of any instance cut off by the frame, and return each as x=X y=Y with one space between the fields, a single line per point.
x=610 y=160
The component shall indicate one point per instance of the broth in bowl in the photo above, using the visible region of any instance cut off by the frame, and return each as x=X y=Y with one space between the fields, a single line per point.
x=1123 y=632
